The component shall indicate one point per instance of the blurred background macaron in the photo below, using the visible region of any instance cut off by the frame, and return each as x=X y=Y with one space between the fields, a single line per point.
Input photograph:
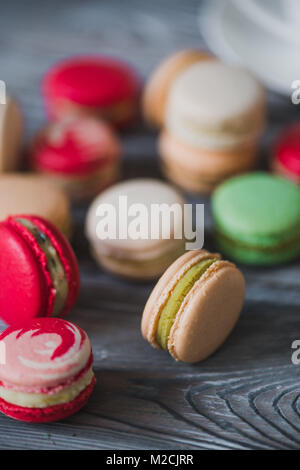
x=198 y=170
x=33 y=194
x=285 y=158
x=39 y=273
x=194 y=306
x=214 y=112
x=157 y=86
x=81 y=155
x=140 y=259
x=257 y=219
x=92 y=85
x=48 y=372
x=11 y=131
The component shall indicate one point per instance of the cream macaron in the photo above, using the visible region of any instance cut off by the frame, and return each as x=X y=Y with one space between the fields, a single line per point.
x=214 y=106
x=142 y=255
x=158 y=85
x=194 y=306
x=11 y=129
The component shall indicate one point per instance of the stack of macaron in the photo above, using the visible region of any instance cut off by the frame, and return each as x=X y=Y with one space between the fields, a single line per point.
x=213 y=118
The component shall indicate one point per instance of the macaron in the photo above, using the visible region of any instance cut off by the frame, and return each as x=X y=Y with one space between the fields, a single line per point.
x=92 y=85
x=141 y=257
x=158 y=84
x=27 y=193
x=214 y=117
x=11 y=130
x=199 y=170
x=215 y=106
x=257 y=219
x=194 y=306
x=39 y=274
x=81 y=155
x=47 y=373
x=286 y=153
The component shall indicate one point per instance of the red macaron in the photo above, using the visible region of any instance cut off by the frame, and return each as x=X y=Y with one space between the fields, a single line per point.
x=46 y=373
x=286 y=154
x=97 y=85
x=39 y=273
x=81 y=155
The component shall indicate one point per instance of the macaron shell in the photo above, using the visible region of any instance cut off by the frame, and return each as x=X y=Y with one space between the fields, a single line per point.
x=244 y=209
x=210 y=163
x=140 y=190
x=91 y=80
x=75 y=147
x=92 y=85
x=208 y=313
x=138 y=270
x=67 y=257
x=33 y=194
x=200 y=170
x=49 y=414
x=214 y=94
x=87 y=186
x=163 y=289
x=158 y=85
x=43 y=354
x=11 y=128
x=26 y=284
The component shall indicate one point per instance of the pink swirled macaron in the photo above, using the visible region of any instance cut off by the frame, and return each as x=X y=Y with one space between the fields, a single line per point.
x=45 y=370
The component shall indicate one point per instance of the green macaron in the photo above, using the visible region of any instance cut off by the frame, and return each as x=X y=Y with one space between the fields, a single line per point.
x=257 y=219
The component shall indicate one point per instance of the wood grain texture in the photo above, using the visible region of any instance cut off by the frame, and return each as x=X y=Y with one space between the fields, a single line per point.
x=247 y=395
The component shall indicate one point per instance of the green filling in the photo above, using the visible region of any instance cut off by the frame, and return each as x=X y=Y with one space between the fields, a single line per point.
x=56 y=269
x=174 y=302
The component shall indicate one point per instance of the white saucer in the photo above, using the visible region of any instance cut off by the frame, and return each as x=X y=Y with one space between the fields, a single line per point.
x=238 y=37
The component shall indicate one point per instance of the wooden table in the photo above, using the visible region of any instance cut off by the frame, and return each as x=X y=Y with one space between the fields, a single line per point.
x=246 y=396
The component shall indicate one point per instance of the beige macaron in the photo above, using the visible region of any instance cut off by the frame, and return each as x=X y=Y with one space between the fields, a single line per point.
x=194 y=306
x=200 y=170
x=157 y=86
x=25 y=193
x=215 y=106
x=11 y=129
x=144 y=256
